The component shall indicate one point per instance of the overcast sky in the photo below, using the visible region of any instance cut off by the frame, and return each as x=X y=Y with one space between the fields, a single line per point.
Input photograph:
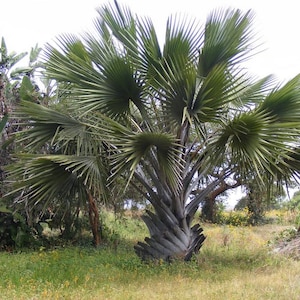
x=23 y=23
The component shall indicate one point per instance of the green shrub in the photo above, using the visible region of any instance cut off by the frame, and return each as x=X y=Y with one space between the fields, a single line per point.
x=234 y=218
x=14 y=232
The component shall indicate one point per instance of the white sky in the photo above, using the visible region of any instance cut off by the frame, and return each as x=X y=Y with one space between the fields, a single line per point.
x=23 y=23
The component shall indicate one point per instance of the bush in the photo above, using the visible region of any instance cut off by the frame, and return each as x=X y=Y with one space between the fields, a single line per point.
x=234 y=218
x=14 y=232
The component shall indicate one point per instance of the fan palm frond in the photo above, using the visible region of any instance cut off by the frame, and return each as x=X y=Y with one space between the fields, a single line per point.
x=254 y=142
x=228 y=39
x=46 y=124
x=47 y=176
x=283 y=103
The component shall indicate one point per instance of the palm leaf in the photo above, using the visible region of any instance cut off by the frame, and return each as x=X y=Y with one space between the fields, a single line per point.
x=121 y=24
x=131 y=147
x=254 y=92
x=182 y=41
x=283 y=103
x=255 y=144
x=109 y=87
x=46 y=124
x=220 y=89
x=47 y=176
x=228 y=39
x=150 y=55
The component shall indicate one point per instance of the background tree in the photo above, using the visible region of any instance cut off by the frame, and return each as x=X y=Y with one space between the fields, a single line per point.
x=14 y=229
x=8 y=100
x=169 y=117
x=259 y=201
x=294 y=203
x=20 y=220
x=209 y=207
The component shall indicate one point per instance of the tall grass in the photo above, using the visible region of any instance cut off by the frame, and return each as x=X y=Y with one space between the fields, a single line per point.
x=235 y=263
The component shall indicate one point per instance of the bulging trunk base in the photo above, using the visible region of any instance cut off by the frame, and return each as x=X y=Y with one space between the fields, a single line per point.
x=168 y=241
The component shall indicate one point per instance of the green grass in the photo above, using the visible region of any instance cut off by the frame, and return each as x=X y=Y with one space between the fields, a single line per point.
x=234 y=263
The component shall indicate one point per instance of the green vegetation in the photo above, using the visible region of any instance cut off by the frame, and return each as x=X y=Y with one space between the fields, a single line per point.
x=235 y=262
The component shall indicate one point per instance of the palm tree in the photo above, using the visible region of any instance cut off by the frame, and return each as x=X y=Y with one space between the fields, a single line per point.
x=165 y=118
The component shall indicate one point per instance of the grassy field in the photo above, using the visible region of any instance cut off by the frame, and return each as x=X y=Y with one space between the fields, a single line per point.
x=234 y=263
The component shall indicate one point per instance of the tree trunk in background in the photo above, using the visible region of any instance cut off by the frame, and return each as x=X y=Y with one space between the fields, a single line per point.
x=94 y=219
x=209 y=206
x=255 y=206
x=208 y=212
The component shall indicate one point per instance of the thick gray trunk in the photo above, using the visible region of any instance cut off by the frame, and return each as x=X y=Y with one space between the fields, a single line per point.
x=168 y=239
x=171 y=234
